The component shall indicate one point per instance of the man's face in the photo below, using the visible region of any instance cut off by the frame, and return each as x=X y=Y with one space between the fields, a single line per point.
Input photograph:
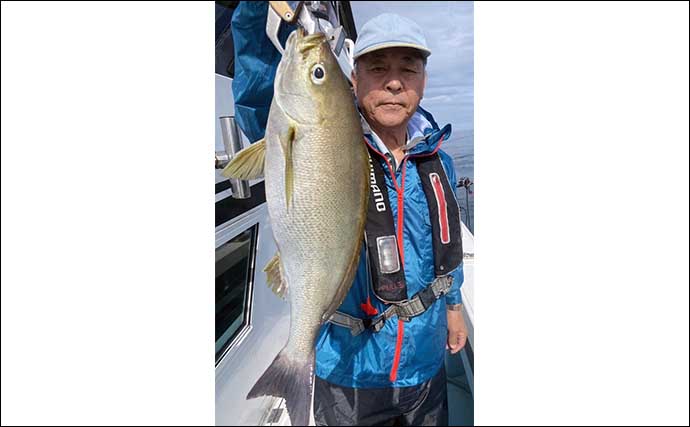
x=389 y=83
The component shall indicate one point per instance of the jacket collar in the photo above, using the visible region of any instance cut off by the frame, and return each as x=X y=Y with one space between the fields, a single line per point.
x=423 y=134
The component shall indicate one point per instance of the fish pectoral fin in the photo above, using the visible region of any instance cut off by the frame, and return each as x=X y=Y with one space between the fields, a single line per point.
x=248 y=163
x=274 y=276
x=287 y=142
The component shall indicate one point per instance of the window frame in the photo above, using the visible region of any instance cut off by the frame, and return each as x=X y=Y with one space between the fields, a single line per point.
x=223 y=237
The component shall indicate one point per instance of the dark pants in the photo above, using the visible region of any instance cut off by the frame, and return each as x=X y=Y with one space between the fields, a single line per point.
x=421 y=405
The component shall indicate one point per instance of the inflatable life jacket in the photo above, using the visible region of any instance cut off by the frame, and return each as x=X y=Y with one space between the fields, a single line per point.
x=384 y=243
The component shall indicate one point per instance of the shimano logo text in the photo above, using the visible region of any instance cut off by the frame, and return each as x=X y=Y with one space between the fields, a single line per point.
x=375 y=190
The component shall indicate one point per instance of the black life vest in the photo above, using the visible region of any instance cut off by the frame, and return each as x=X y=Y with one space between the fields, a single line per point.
x=384 y=244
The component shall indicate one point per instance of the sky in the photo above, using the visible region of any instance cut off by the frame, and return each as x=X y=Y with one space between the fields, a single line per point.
x=449 y=30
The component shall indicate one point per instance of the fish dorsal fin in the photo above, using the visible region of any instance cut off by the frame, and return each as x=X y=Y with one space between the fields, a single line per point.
x=287 y=141
x=248 y=163
x=274 y=276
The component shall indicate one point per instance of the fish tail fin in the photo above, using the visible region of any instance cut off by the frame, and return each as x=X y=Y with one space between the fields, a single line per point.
x=292 y=380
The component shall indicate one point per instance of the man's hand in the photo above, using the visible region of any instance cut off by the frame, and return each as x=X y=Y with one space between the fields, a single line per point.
x=457 y=331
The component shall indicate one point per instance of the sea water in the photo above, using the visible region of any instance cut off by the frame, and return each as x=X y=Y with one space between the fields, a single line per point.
x=461 y=148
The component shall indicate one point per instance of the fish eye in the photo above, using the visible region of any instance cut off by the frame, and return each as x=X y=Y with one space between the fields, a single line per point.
x=318 y=74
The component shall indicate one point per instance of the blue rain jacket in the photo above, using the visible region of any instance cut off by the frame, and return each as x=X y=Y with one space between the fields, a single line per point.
x=366 y=360
x=256 y=61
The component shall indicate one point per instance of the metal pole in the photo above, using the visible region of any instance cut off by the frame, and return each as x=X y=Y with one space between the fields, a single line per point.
x=233 y=144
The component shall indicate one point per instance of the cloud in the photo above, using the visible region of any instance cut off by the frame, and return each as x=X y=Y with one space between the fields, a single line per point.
x=449 y=29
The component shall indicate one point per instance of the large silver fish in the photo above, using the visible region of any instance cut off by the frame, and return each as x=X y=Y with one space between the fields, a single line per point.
x=315 y=165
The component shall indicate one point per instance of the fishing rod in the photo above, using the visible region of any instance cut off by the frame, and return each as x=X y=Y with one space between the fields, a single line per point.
x=466 y=183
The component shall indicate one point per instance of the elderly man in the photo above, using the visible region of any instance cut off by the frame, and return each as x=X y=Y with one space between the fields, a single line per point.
x=380 y=360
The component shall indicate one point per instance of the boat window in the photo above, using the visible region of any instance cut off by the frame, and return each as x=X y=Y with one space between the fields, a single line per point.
x=234 y=277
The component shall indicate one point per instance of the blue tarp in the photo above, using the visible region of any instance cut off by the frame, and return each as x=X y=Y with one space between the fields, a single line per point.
x=256 y=60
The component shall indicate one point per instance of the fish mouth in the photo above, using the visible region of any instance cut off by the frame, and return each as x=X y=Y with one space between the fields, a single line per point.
x=308 y=42
x=307 y=47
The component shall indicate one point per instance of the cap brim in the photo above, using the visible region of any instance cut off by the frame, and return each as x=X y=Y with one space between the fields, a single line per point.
x=426 y=52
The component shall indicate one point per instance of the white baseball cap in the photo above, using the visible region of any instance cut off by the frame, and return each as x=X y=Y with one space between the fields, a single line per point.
x=390 y=30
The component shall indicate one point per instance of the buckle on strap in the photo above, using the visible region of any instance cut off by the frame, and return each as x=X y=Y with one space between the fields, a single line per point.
x=357 y=326
x=405 y=310
x=441 y=286
x=424 y=299
x=376 y=324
